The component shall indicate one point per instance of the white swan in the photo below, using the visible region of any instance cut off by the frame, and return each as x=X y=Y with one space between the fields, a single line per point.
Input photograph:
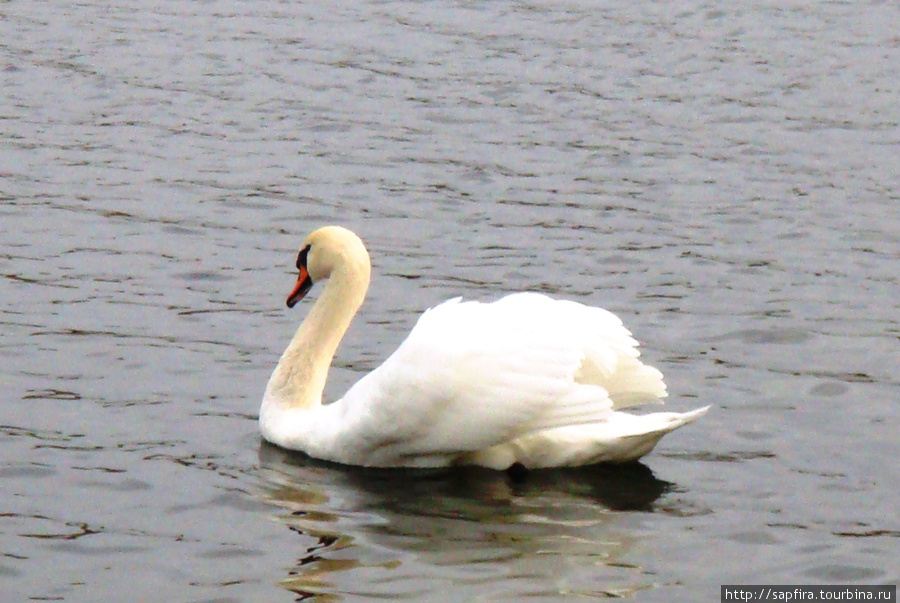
x=526 y=379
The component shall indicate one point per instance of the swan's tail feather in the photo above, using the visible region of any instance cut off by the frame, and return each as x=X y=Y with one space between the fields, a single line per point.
x=622 y=438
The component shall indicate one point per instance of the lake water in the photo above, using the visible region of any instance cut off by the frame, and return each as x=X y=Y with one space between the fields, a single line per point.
x=724 y=177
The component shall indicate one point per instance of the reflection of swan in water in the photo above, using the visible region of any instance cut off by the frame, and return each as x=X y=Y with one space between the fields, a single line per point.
x=375 y=531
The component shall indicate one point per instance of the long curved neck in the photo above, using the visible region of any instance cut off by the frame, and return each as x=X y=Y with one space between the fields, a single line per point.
x=299 y=379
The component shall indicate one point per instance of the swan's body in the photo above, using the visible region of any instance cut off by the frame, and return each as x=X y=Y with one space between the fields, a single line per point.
x=526 y=379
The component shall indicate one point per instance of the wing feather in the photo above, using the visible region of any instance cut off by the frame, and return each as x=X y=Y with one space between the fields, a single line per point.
x=471 y=375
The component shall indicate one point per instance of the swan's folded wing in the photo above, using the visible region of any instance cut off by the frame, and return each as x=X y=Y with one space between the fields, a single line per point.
x=472 y=375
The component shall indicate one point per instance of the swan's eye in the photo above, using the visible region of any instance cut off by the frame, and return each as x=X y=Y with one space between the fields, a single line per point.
x=301 y=259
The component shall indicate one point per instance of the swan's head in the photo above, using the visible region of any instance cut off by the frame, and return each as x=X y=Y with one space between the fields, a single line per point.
x=329 y=251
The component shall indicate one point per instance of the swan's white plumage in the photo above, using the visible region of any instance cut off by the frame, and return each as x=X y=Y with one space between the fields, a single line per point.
x=525 y=379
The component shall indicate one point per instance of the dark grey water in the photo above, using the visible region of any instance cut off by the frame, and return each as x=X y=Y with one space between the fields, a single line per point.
x=725 y=178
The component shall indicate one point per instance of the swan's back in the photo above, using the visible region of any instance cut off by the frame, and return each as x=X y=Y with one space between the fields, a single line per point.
x=603 y=350
x=472 y=375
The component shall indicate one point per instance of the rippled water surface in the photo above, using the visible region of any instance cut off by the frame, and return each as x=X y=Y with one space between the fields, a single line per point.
x=723 y=177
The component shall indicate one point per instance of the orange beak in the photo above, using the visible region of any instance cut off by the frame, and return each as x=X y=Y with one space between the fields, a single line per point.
x=304 y=284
